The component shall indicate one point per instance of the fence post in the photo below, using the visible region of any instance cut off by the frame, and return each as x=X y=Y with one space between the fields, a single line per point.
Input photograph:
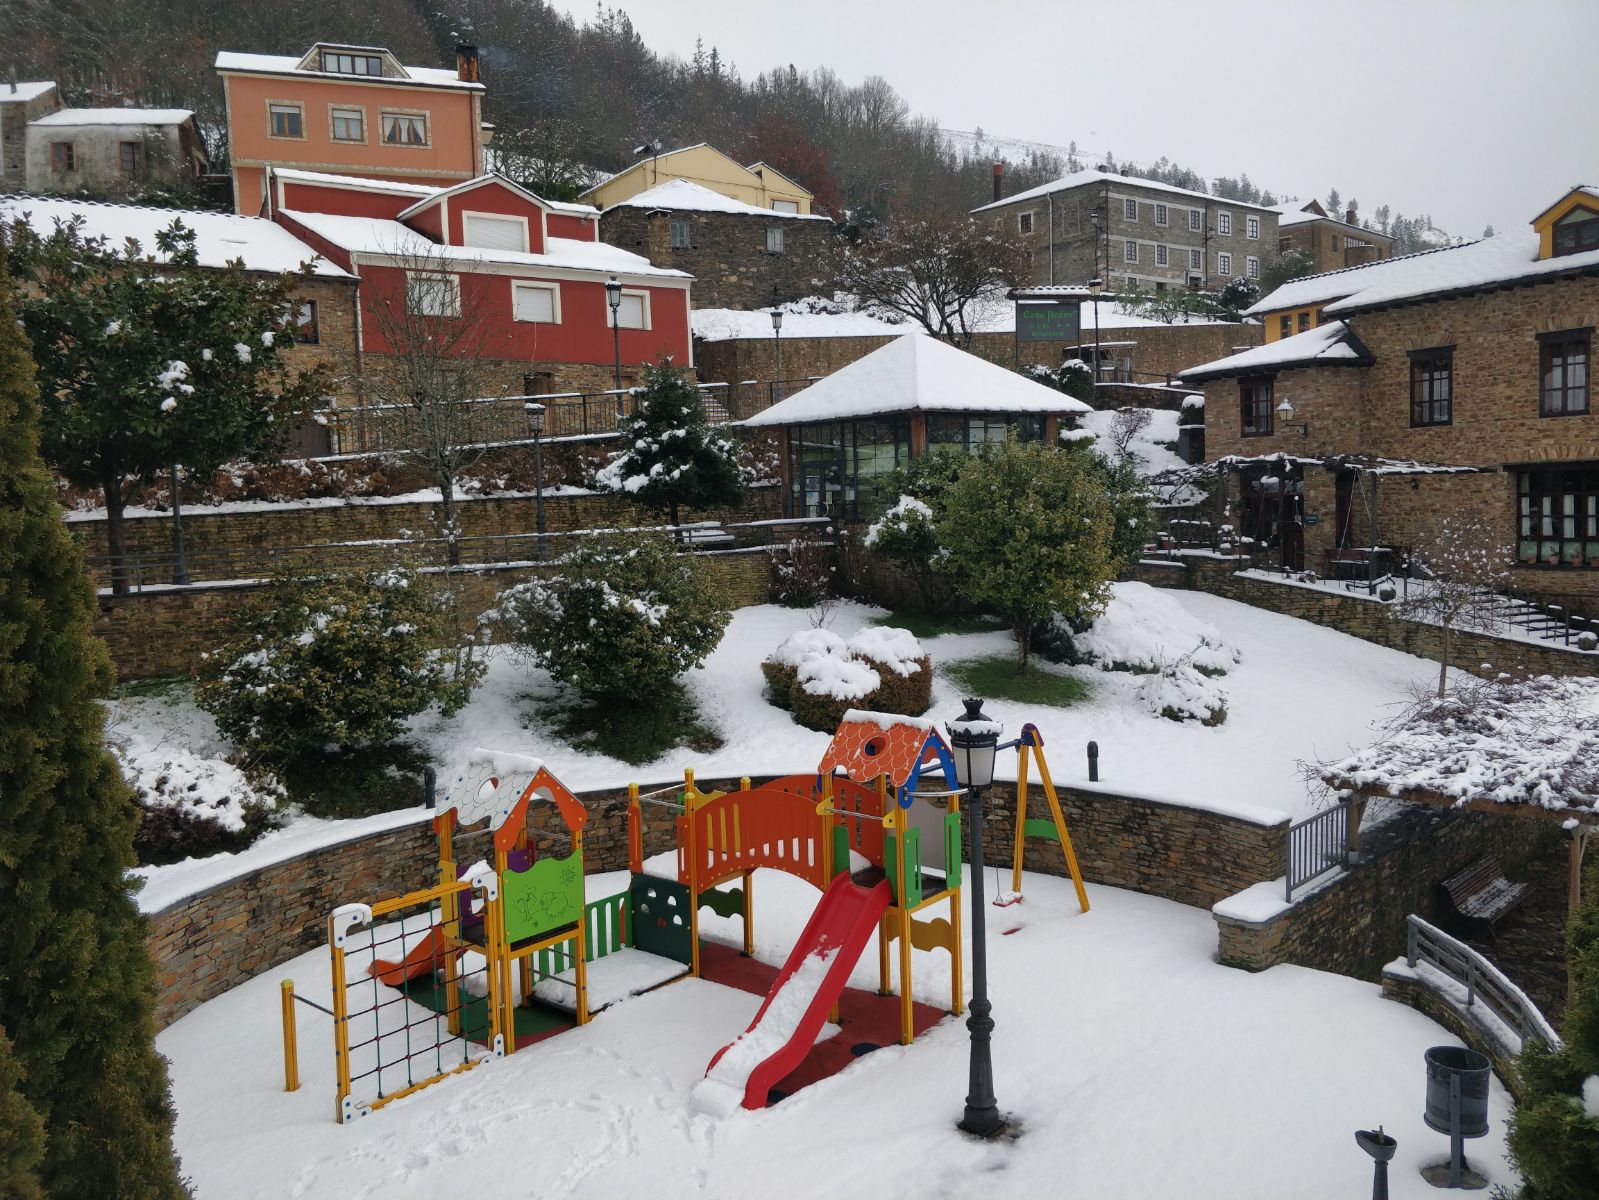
x=1410 y=943
x=291 y=1043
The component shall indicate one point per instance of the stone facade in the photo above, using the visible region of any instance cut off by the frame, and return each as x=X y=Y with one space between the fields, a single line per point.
x=1333 y=245
x=1059 y=233
x=16 y=110
x=167 y=154
x=727 y=253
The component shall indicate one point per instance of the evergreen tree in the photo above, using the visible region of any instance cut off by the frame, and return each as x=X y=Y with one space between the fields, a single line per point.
x=1334 y=204
x=673 y=457
x=76 y=983
x=21 y=1133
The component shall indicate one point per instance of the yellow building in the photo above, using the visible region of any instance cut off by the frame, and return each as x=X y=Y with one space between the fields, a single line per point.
x=758 y=184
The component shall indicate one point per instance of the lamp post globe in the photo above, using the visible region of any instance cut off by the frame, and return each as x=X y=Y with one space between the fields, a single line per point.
x=974 y=742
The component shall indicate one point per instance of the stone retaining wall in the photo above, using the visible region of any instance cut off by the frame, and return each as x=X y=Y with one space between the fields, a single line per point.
x=1402 y=986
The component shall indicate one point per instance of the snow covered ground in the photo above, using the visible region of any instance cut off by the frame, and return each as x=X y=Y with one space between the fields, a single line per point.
x=1133 y=1065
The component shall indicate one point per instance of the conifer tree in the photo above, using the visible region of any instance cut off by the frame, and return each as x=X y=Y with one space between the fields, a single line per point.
x=76 y=982
x=21 y=1133
x=671 y=456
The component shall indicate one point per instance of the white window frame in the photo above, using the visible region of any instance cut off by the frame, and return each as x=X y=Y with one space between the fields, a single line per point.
x=687 y=228
x=452 y=284
x=1224 y=264
x=776 y=241
x=786 y=206
x=1162 y=255
x=1196 y=260
x=1162 y=217
x=335 y=111
x=299 y=109
x=1252 y=228
x=1252 y=267
x=1130 y=251
x=553 y=289
x=1196 y=220
x=512 y=218
x=1129 y=208
x=1024 y=223
x=341 y=58
x=1224 y=224
x=644 y=303
x=409 y=114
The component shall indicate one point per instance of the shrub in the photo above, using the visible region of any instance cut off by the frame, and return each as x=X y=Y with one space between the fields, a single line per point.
x=624 y=616
x=1178 y=692
x=781 y=667
x=172 y=834
x=817 y=676
x=337 y=662
x=804 y=578
x=904 y=671
x=826 y=687
x=1143 y=626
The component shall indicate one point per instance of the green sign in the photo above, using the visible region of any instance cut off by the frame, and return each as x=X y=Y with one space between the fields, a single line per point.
x=1056 y=321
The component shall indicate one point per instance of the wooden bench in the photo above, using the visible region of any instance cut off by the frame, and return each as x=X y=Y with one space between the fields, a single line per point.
x=1481 y=892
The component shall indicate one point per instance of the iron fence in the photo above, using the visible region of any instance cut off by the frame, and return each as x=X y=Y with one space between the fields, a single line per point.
x=1316 y=845
x=146 y=571
x=1481 y=980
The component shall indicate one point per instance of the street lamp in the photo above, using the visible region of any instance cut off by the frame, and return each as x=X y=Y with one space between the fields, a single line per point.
x=1285 y=410
x=1095 y=286
x=974 y=739
x=777 y=351
x=535 y=426
x=613 y=297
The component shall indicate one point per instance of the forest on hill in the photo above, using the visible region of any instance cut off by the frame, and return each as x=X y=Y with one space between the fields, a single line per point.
x=573 y=99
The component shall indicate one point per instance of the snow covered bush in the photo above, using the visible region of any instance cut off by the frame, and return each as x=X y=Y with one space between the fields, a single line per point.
x=826 y=687
x=905 y=536
x=781 y=667
x=1143 y=627
x=1178 y=692
x=337 y=662
x=904 y=671
x=817 y=675
x=804 y=577
x=621 y=619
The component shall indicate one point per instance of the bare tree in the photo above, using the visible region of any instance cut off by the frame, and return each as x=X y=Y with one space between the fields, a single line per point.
x=936 y=270
x=431 y=373
x=1125 y=427
x=1462 y=565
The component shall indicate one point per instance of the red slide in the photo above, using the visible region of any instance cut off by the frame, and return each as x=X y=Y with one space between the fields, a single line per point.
x=426 y=955
x=794 y=1011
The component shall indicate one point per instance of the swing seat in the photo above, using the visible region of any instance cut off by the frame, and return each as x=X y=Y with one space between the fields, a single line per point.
x=1006 y=899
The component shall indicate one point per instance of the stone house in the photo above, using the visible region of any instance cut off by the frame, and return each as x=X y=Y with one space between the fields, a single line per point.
x=113 y=151
x=1456 y=381
x=1332 y=243
x=1128 y=231
x=741 y=256
x=759 y=185
x=19 y=104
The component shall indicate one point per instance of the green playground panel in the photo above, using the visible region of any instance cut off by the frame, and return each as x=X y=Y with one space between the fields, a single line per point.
x=1037 y=827
x=531 y=1019
x=952 y=850
x=607 y=928
x=841 y=849
x=545 y=897
x=912 y=895
x=660 y=917
x=729 y=903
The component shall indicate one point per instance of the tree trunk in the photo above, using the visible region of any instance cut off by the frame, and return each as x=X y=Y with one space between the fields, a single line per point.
x=1024 y=639
x=116 y=549
x=677 y=535
x=452 y=535
x=1443 y=666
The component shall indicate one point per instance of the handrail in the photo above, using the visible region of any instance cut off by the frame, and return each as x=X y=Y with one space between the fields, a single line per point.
x=1457 y=961
x=1316 y=845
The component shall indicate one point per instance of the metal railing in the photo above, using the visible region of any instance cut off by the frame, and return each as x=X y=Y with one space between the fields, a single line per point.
x=1480 y=978
x=1316 y=845
x=145 y=571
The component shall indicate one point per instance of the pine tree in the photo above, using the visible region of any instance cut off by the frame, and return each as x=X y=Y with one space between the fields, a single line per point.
x=76 y=983
x=21 y=1133
x=673 y=458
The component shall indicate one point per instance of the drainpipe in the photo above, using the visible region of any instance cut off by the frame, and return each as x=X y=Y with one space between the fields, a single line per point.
x=1050 y=198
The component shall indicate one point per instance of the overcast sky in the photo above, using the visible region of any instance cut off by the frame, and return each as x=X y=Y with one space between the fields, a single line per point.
x=1470 y=110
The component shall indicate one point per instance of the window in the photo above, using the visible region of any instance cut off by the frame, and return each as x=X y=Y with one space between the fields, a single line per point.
x=1252 y=267
x=1196 y=221
x=1194 y=282
x=537 y=302
x=405 y=129
x=1577 y=232
x=487 y=231
x=1162 y=256
x=306 y=331
x=774 y=241
x=1335 y=243
x=1224 y=264
x=1196 y=260
x=971 y=432
x=431 y=295
x=634 y=312
x=785 y=206
x=1285 y=325
x=1304 y=321
x=1024 y=222
x=538 y=383
x=1130 y=209
x=1558 y=517
x=62 y=157
x=130 y=157
x=680 y=235
x=1130 y=251
x=1563 y=372
x=1252 y=227
x=1224 y=224
x=1160 y=214
x=1284 y=244
x=349 y=124
x=285 y=120
x=1255 y=406
x=1432 y=386
x=351 y=64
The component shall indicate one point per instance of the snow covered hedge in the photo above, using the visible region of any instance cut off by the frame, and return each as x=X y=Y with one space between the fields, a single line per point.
x=817 y=675
x=1143 y=627
x=1178 y=692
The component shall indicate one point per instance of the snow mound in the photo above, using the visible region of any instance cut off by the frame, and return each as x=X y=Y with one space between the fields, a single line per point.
x=1590 y=1096
x=896 y=649
x=1143 y=627
x=838 y=678
x=1180 y=693
x=806 y=644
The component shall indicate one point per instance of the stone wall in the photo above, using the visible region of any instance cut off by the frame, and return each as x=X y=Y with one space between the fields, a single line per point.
x=1481 y=1035
x=165 y=631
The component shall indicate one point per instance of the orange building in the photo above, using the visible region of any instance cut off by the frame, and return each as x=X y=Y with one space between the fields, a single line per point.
x=351 y=110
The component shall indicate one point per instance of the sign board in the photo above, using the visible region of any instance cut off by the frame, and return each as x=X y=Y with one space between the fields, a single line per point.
x=1055 y=321
x=1312 y=518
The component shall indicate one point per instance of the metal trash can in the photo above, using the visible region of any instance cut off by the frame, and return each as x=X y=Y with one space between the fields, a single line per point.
x=1447 y=1063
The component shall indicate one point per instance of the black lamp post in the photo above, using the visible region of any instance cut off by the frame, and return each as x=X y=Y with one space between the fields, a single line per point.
x=974 y=740
x=180 y=564
x=613 y=297
x=777 y=351
x=1094 y=289
x=535 y=426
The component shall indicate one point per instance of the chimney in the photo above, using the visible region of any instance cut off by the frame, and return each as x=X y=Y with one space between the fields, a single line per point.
x=999 y=180
x=1349 y=217
x=466 y=64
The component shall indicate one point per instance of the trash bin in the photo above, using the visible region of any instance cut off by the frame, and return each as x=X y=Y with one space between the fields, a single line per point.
x=1445 y=1063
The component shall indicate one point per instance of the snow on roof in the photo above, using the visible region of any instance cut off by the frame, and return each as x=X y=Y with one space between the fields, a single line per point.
x=220 y=238
x=361 y=182
x=579 y=210
x=115 y=116
x=377 y=235
x=18 y=93
x=916 y=373
x=289 y=64
x=1293 y=214
x=684 y=196
x=1331 y=343
x=729 y=325
x=1084 y=178
x=996 y=314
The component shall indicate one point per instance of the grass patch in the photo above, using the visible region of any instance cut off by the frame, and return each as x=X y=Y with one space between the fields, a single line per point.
x=638 y=731
x=931 y=625
x=996 y=676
